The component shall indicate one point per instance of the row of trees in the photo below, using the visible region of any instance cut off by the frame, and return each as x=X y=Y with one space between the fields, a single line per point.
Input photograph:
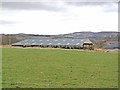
x=8 y=39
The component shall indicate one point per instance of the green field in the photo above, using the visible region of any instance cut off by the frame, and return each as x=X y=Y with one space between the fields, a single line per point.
x=45 y=68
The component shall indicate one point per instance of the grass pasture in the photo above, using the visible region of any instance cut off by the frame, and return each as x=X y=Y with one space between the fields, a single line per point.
x=43 y=68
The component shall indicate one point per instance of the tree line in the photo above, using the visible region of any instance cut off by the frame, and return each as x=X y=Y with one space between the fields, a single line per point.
x=8 y=39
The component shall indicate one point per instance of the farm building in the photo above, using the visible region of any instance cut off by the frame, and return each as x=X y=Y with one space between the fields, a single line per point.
x=57 y=43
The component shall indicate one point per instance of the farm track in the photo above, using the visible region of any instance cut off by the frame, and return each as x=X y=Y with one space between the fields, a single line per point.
x=95 y=50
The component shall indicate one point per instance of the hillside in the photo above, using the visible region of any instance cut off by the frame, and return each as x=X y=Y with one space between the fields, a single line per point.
x=93 y=35
x=100 y=39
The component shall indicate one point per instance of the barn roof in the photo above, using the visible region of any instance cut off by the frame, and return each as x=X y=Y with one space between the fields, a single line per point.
x=63 y=41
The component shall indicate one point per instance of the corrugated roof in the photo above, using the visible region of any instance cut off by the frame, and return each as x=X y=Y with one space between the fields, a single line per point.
x=54 y=42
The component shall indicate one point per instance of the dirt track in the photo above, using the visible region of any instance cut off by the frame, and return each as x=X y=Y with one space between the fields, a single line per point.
x=95 y=50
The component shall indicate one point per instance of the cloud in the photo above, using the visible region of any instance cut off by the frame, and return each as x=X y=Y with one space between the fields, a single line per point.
x=6 y=22
x=106 y=6
x=49 y=6
x=75 y=20
x=111 y=7
x=86 y=3
x=58 y=5
x=60 y=0
x=58 y=17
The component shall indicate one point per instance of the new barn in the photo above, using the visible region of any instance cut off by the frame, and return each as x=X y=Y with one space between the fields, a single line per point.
x=57 y=43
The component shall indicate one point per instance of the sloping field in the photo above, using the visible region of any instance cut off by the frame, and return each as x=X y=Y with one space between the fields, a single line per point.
x=43 y=68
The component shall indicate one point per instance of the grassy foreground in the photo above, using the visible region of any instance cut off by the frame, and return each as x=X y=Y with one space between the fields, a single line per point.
x=43 y=68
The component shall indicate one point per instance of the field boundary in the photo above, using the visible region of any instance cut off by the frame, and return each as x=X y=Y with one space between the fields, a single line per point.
x=95 y=50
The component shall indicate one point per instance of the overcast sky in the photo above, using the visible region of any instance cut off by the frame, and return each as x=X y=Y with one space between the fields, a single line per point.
x=58 y=17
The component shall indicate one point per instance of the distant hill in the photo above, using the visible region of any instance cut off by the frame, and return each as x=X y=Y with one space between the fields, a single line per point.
x=93 y=35
x=100 y=39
